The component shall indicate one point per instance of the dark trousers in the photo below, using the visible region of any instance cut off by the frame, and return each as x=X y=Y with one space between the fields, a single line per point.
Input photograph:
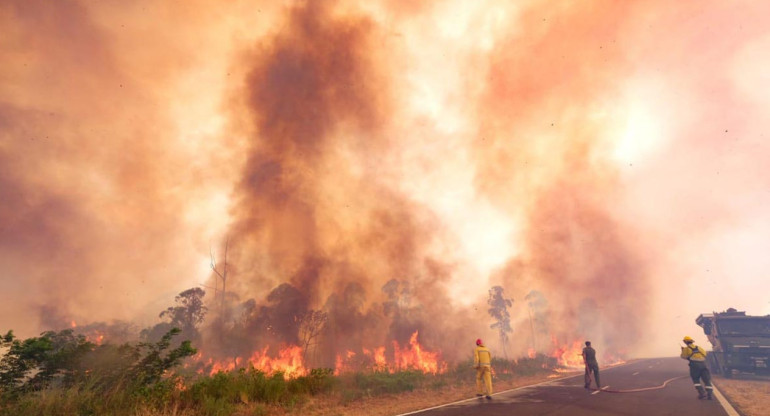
x=592 y=367
x=698 y=372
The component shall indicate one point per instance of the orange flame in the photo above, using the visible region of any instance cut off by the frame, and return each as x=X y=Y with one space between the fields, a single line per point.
x=570 y=356
x=415 y=357
x=289 y=361
x=531 y=353
x=412 y=356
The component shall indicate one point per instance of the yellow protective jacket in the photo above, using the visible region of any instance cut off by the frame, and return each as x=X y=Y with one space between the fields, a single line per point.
x=482 y=357
x=693 y=352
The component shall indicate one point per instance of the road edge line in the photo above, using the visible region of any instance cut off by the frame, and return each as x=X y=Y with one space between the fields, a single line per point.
x=724 y=402
x=504 y=391
x=476 y=398
x=514 y=389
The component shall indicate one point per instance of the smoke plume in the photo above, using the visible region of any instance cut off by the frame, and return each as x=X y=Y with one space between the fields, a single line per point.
x=385 y=164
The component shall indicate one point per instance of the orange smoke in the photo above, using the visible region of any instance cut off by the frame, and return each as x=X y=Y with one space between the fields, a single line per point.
x=389 y=162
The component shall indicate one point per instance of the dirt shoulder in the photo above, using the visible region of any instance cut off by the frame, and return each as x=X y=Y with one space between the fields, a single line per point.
x=749 y=397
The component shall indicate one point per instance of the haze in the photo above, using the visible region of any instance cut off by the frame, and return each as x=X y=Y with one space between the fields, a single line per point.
x=611 y=155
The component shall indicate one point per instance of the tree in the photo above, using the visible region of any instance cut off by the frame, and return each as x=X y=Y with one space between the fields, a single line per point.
x=35 y=363
x=151 y=361
x=538 y=319
x=280 y=318
x=222 y=274
x=64 y=359
x=311 y=324
x=189 y=312
x=498 y=309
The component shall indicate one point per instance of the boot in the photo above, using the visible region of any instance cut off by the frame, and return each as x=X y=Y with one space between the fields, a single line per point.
x=708 y=392
x=701 y=392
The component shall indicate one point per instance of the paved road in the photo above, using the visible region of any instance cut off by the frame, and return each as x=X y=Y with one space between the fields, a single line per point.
x=567 y=397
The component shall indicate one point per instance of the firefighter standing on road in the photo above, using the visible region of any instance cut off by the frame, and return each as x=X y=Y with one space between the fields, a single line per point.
x=589 y=358
x=698 y=370
x=482 y=362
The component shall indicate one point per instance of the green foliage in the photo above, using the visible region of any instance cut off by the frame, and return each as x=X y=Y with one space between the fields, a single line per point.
x=63 y=359
x=152 y=364
x=318 y=381
x=254 y=386
x=385 y=383
x=36 y=363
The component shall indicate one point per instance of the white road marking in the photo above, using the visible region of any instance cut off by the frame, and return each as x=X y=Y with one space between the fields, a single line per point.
x=635 y=373
x=725 y=404
x=547 y=382
x=603 y=388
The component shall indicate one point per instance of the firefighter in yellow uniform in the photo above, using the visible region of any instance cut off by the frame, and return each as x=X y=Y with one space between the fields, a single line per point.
x=482 y=362
x=698 y=370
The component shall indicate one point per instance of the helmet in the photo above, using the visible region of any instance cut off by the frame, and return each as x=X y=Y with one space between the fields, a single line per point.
x=478 y=341
x=687 y=339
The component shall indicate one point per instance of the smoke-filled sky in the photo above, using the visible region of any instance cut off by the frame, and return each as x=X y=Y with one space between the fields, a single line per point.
x=611 y=155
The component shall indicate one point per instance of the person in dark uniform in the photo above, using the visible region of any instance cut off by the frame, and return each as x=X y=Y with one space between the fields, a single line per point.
x=589 y=358
x=698 y=370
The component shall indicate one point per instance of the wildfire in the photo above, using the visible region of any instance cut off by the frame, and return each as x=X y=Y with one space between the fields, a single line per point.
x=531 y=353
x=289 y=361
x=570 y=356
x=415 y=357
x=412 y=356
x=378 y=356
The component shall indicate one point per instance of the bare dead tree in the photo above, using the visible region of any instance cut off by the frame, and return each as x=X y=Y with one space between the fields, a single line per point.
x=311 y=324
x=222 y=275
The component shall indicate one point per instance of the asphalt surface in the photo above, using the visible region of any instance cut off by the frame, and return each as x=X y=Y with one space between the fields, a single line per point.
x=568 y=397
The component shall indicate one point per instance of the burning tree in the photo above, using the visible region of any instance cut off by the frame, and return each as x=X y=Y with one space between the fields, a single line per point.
x=498 y=309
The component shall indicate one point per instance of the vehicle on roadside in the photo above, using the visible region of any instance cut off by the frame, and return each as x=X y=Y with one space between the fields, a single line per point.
x=741 y=343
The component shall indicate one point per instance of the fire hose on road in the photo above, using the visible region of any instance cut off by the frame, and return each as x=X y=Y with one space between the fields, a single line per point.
x=642 y=389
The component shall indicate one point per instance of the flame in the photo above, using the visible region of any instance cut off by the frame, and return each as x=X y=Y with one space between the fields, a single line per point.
x=289 y=361
x=415 y=357
x=378 y=356
x=531 y=353
x=412 y=356
x=569 y=355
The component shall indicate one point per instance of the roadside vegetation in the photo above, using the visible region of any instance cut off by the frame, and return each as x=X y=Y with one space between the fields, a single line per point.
x=750 y=395
x=60 y=373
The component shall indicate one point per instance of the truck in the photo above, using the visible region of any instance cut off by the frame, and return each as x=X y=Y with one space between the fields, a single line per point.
x=741 y=343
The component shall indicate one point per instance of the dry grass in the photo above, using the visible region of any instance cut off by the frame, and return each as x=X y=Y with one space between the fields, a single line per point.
x=749 y=397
